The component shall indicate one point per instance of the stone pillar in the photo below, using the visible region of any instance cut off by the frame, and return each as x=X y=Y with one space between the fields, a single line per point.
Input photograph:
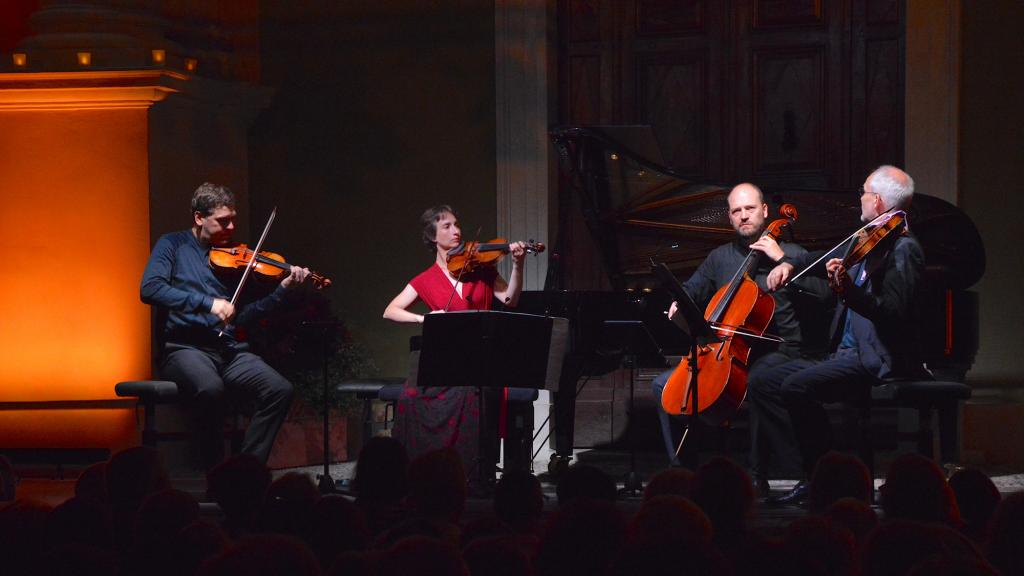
x=933 y=97
x=525 y=170
x=75 y=173
x=108 y=127
x=524 y=166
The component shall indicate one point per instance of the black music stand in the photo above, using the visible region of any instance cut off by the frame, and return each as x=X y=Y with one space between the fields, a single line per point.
x=694 y=324
x=634 y=342
x=488 y=349
x=324 y=327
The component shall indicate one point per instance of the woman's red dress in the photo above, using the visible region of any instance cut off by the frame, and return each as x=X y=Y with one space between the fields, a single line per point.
x=444 y=417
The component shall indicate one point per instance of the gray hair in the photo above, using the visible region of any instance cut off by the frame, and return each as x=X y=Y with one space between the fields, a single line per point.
x=895 y=186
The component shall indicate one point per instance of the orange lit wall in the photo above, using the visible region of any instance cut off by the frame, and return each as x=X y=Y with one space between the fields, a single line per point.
x=74 y=234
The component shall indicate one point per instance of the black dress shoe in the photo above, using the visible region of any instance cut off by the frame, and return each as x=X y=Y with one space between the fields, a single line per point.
x=795 y=496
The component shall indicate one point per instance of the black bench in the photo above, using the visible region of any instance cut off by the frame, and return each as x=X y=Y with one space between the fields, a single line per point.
x=927 y=397
x=151 y=393
x=390 y=389
x=370 y=389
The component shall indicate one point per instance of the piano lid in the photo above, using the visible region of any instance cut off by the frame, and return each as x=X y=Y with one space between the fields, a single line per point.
x=635 y=209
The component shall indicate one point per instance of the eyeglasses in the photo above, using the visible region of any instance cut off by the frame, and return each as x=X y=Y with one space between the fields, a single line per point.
x=861 y=191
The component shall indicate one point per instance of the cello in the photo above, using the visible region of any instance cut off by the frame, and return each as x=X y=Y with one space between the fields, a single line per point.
x=738 y=310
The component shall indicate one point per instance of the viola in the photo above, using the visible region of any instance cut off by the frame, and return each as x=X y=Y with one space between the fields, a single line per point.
x=867 y=238
x=469 y=256
x=738 y=311
x=270 y=265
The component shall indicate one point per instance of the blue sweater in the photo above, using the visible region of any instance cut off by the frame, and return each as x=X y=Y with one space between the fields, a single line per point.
x=179 y=280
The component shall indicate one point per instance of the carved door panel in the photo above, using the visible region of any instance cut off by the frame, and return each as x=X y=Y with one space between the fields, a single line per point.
x=802 y=93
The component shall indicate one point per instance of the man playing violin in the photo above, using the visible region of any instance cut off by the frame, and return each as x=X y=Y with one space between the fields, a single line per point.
x=442 y=417
x=874 y=332
x=748 y=213
x=201 y=351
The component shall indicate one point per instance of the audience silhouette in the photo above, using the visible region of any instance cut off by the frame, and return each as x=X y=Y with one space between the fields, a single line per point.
x=1006 y=535
x=837 y=476
x=410 y=519
x=976 y=498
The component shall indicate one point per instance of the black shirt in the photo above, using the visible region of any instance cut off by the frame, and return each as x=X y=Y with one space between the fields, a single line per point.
x=719 y=268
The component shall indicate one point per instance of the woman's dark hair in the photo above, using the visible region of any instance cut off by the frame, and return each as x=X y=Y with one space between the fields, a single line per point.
x=429 y=221
x=208 y=197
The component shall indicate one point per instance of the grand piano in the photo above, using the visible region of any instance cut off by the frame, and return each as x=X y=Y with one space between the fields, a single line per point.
x=619 y=207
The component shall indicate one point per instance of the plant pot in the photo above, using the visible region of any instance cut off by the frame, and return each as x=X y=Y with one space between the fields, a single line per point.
x=300 y=439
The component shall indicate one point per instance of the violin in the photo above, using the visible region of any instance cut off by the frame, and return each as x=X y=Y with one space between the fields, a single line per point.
x=469 y=256
x=270 y=265
x=866 y=240
x=738 y=310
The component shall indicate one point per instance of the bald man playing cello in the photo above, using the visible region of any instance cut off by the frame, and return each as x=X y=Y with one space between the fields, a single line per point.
x=748 y=215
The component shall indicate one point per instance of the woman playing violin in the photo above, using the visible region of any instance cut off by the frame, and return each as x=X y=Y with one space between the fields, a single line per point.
x=443 y=291
x=430 y=418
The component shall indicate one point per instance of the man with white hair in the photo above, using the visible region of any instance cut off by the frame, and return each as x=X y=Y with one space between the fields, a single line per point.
x=874 y=333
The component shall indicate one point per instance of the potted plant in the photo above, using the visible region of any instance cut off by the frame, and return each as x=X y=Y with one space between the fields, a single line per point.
x=306 y=343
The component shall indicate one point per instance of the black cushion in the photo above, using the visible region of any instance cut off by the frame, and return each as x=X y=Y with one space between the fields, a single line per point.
x=390 y=389
x=370 y=387
x=153 y=390
x=920 y=391
x=391 y=392
x=522 y=394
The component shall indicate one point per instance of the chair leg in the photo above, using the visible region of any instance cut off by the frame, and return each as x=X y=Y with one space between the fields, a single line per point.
x=949 y=431
x=925 y=436
x=368 y=431
x=867 y=446
x=149 y=435
x=389 y=416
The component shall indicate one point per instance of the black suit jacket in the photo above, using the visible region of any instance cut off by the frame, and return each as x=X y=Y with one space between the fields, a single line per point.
x=884 y=318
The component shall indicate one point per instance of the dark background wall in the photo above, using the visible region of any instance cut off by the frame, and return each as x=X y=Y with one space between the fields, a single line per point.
x=14 y=24
x=992 y=174
x=380 y=111
x=377 y=111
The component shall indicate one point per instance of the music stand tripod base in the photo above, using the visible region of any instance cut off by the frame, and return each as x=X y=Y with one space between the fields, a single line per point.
x=634 y=342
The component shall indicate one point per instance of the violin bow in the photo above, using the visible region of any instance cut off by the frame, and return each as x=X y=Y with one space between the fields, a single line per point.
x=837 y=246
x=251 y=264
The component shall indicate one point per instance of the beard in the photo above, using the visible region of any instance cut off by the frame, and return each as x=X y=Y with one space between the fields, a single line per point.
x=750 y=235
